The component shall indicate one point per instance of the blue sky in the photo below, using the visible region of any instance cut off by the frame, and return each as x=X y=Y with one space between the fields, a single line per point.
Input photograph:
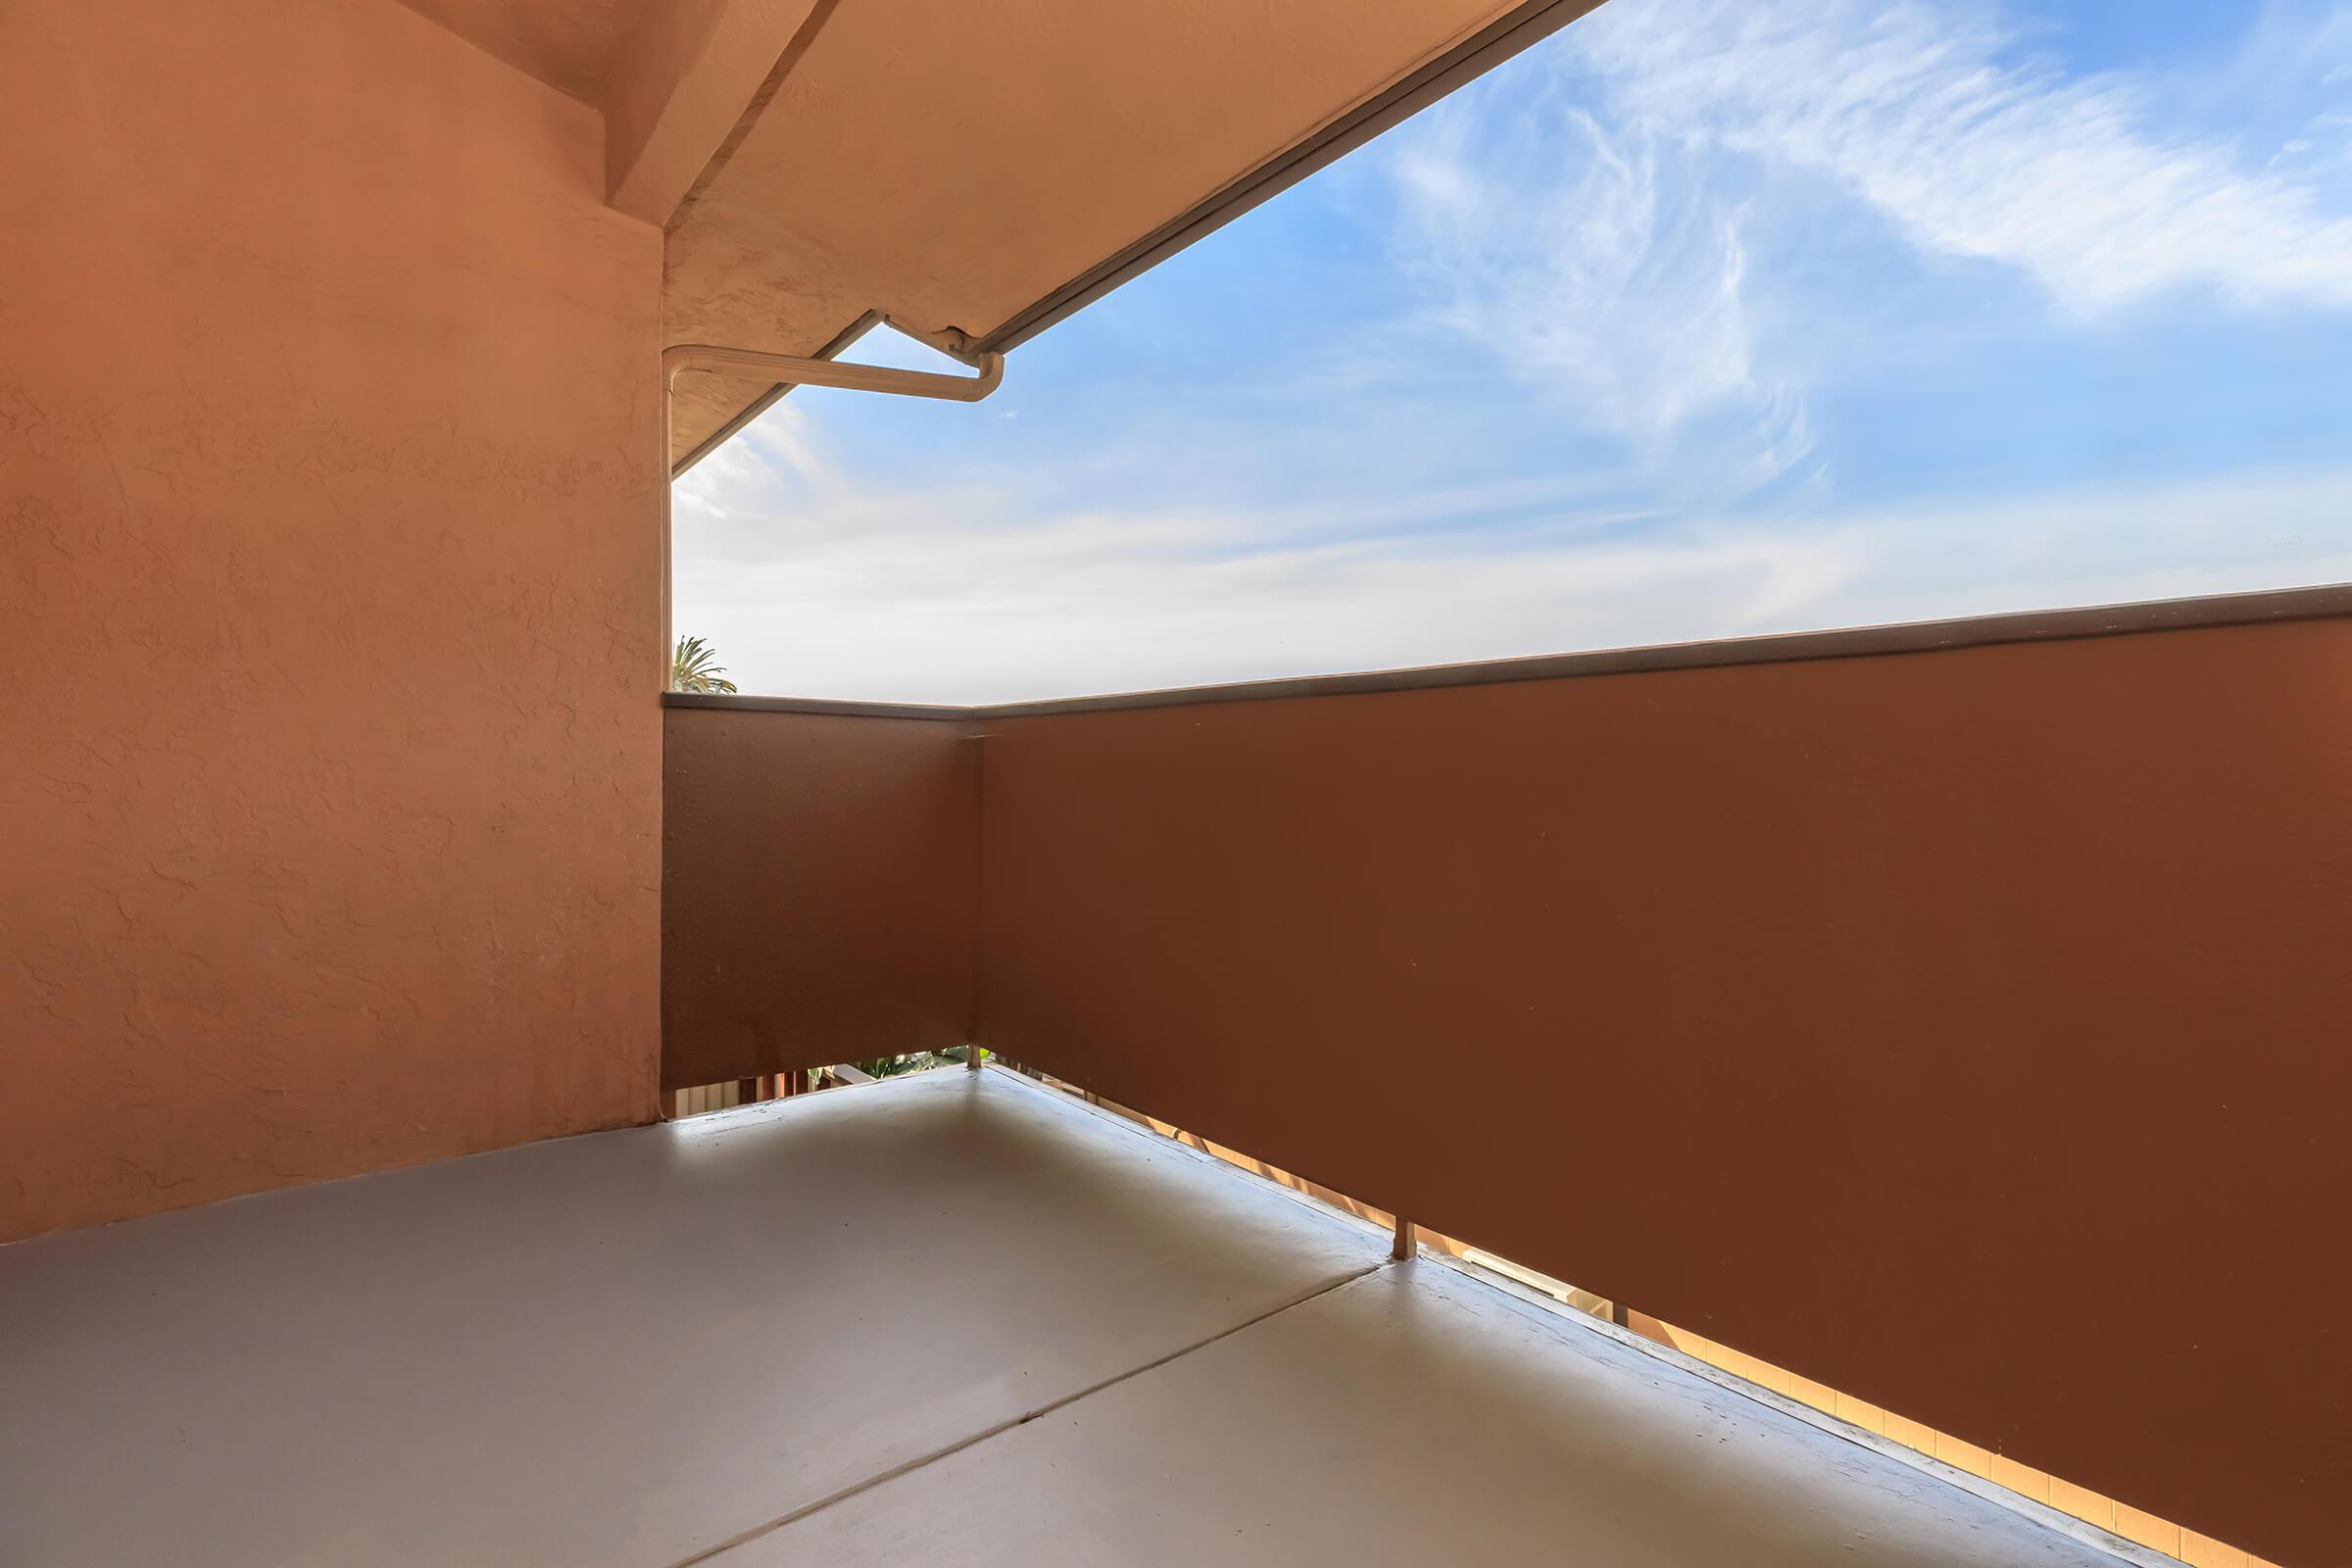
x=1703 y=318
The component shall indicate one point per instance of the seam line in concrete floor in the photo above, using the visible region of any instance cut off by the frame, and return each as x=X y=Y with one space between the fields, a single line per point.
x=1523 y=1299
x=1552 y=1309
x=771 y=1526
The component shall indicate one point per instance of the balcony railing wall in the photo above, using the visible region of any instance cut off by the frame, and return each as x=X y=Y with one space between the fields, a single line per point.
x=1991 y=1000
x=819 y=889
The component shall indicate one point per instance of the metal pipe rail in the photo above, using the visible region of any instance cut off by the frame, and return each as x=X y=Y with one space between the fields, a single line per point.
x=801 y=371
x=795 y=369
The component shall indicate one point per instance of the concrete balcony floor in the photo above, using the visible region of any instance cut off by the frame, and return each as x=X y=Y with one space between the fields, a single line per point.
x=951 y=1319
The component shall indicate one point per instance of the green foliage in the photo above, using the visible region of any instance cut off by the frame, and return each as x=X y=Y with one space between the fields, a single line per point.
x=691 y=669
x=920 y=1061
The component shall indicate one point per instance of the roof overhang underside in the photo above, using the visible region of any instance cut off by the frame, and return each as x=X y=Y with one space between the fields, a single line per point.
x=976 y=171
x=971 y=172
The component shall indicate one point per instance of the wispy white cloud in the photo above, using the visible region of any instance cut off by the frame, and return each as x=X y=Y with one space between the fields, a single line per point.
x=1942 y=119
x=1607 y=282
x=1592 y=223
x=965 y=594
x=1644 y=236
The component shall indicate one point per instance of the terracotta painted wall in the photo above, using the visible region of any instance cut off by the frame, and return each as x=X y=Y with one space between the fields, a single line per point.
x=819 y=887
x=330 y=773
x=1997 y=1002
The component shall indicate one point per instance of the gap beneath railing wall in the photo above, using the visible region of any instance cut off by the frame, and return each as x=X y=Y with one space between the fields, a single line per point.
x=2119 y=1527
x=704 y=1099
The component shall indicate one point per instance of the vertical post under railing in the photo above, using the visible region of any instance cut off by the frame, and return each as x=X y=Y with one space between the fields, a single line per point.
x=1403 y=1247
x=971 y=1059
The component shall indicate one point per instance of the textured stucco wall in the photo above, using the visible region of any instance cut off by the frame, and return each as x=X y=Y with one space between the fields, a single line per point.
x=331 y=776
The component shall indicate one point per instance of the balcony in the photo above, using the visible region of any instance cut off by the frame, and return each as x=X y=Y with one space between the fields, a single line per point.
x=1851 y=1000
x=949 y=1317
x=1944 y=1023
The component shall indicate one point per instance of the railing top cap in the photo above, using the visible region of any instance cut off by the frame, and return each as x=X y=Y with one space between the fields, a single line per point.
x=1914 y=637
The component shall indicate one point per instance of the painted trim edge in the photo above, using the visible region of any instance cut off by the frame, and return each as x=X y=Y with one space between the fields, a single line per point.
x=1520 y=27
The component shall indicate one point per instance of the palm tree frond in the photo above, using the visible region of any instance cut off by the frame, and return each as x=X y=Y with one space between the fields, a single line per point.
x=691 y=669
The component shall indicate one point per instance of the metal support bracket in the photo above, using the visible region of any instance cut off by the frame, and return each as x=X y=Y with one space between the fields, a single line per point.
x=800 y=371
x=797 y=370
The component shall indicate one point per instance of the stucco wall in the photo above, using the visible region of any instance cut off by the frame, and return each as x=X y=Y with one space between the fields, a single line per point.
x=331 y=782
x=1963 y=1030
